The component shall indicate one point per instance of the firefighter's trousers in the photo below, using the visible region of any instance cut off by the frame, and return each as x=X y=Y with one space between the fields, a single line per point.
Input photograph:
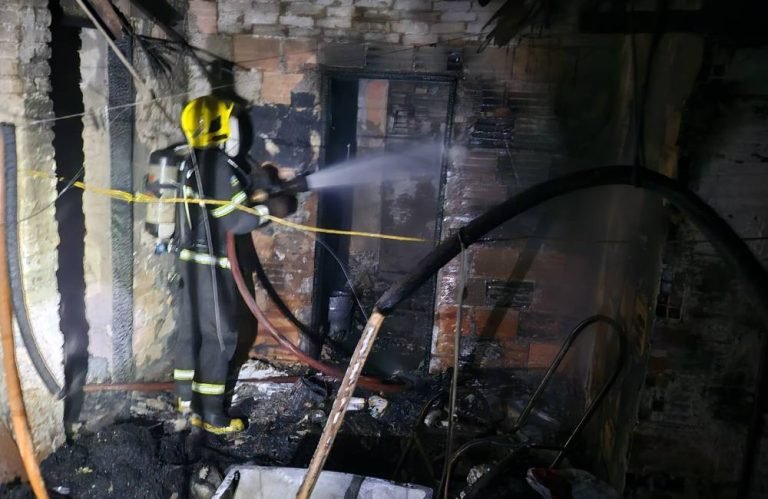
x=202 y=357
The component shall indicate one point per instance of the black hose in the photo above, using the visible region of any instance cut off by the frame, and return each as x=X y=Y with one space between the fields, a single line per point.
x=733 y=250
x=14 y=262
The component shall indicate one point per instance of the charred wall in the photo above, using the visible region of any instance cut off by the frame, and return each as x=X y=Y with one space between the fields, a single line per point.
x=701 y=384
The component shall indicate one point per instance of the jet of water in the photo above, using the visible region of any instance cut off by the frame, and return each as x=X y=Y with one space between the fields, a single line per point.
x=422 y=161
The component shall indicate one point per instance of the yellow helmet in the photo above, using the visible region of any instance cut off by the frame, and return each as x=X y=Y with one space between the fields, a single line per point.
x=205 y=121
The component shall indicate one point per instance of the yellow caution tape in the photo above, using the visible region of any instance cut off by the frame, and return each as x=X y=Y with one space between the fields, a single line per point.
x=140 y=197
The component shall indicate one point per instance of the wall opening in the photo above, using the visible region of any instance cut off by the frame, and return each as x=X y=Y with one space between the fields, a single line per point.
x=370 y=116
x=68 y=146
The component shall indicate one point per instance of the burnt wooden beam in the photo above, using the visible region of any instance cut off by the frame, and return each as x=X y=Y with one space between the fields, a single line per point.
x=73 y=16
x=106 y=14
x=158 y=11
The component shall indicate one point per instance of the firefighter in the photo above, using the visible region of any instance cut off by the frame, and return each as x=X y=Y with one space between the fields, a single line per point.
x=210 y=306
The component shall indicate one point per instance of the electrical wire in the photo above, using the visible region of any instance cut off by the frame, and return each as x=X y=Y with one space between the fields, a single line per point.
x=48 y=205
x=240 y=63
x=345 y=271
x=70 y=183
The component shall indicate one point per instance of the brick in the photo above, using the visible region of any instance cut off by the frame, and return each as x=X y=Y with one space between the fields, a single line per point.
x=304 y=32
x=419 y=39
x=493 y=261
x=298 y=53
x=266 y=14
x=541 y=355
x=230 y=21
x=372 y=27
x=382 y=37
x=205 y=16
x=256 y=52
x=411 y=27
x=269 y=30
x=376 y=4
x=304 y=9
x=297 y=21
x=343 y=11
x=248 y=84
x=464 y=6
x=446 y=321
x=447 y=28
x=8 y=32
x=334 y=22
x=9 y=67
x=477 y=28
x=10 y=85
x=495 y=322
x=425 y=17
x=8 y=50
x=379 y=14
x=277 y=87
x=460 y=16
x=411 y=5
x=337 y=34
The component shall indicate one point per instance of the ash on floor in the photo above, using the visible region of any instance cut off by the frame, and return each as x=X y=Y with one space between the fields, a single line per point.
x=146 y=457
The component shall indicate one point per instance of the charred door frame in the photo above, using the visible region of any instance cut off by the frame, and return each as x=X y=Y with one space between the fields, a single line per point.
x=320 y=293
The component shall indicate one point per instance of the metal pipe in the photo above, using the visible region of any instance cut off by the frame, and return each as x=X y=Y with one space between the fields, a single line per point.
x=586 y=416
x=168 y=386
x=567 y=344
x=22 y=432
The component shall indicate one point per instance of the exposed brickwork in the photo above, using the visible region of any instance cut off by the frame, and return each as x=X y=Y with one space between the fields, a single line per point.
x=204 y=14
x=702 y=370
x=360 y=20
x=257 y=53
x=24 y=93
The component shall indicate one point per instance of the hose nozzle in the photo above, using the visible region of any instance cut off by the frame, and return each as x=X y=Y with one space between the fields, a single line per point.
x=296 y=185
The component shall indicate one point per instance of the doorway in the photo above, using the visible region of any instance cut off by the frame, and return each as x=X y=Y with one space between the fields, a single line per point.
x=370 y=116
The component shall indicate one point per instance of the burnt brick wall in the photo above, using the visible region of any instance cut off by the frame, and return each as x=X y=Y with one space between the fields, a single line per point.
x=277 y=46
x=704 y=357
x=24 y=92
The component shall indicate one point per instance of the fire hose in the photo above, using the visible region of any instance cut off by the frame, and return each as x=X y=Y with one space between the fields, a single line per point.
x=731 y=247
x=334 y=372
